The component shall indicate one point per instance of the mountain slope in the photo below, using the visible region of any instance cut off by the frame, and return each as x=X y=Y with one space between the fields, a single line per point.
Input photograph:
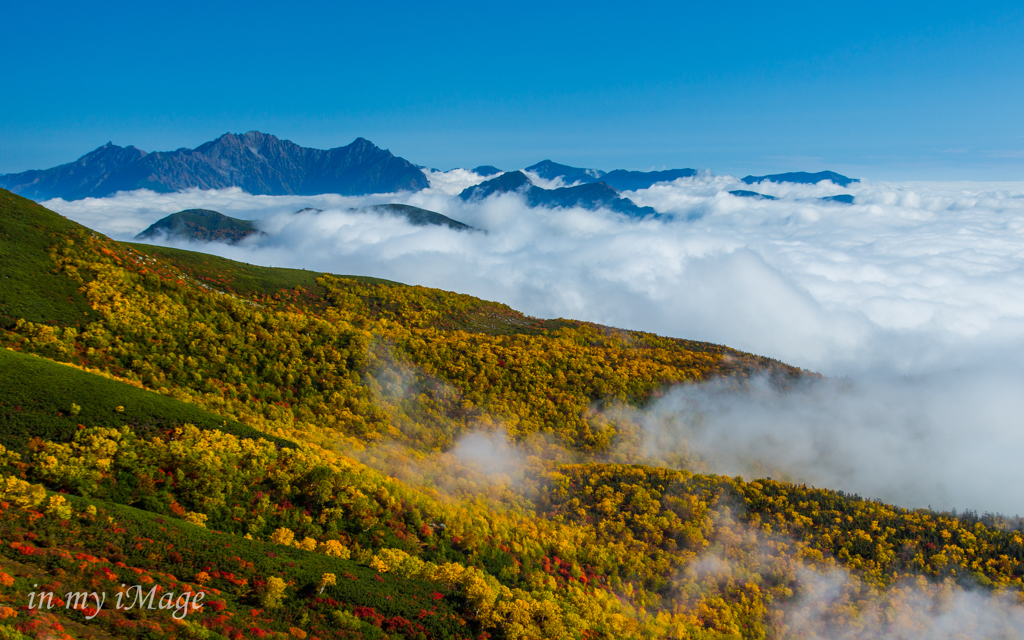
x=460 y=471
x=106 y=170
x=258 y=163
x=162 y=342
x=30 y=285
x=420 y=217
x=40 y=398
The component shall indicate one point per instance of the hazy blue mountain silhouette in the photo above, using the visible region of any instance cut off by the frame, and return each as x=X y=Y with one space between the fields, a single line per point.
x=742 y=193
x=632 y=180
x=258 y=163
x=843 y=198
x=505 y=183
x=620 y=179
x=802 y=177
x=551 y=170
x=592 y=196
x=486 y=170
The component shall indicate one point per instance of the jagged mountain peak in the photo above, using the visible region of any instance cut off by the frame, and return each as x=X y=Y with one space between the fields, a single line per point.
x=259 y=163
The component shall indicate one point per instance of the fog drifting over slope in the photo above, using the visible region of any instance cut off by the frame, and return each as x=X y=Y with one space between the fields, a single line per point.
x=915 y=293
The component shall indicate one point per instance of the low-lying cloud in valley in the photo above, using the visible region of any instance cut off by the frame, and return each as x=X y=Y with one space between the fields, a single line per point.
x=945 y=440
x=913 y=295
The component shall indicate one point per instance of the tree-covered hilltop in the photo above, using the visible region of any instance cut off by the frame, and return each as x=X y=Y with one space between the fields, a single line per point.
x=294 y=445
x=201 y=225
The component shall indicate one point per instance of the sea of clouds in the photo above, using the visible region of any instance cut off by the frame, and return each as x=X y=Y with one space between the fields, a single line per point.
x=911 y=300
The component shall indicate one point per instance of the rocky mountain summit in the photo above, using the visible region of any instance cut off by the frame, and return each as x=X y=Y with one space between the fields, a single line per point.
x=258 y=163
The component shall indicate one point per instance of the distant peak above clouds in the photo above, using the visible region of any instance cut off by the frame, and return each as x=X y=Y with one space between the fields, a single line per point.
x=803 y=177
x=593 y=195
x=633 y=180
x=620 y=179
x=549 y=170
x=258 y=163
x=509 y=182
x=202 y=225
x=263 y=164
x=486 y=171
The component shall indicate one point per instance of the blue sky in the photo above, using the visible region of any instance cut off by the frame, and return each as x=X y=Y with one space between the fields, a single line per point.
x=915 y=91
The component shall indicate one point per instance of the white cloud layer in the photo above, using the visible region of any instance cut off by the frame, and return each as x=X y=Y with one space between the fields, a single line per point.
x=914 y=279
x=945 y=440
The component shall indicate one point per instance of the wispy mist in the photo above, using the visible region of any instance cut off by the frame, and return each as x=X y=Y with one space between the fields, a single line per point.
x=947 y=441
x=824 y=596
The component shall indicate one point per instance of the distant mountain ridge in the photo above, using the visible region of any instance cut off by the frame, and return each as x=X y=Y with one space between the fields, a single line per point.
x=803 y=177
x=632 y=180
x=594 y=195
x=620 y=179
x=844 y=198
x=743 y=193
x=258 y=163
x=549 y=170
x=486 y=170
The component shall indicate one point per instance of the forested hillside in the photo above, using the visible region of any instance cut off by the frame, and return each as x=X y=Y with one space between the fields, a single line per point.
x=338 y=457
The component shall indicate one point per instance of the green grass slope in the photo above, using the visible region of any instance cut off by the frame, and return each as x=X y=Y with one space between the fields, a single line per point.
x=241 y=278
x=43 y=399
x=30 y=286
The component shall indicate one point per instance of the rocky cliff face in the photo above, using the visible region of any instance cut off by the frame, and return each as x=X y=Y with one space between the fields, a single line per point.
x=258 y=163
